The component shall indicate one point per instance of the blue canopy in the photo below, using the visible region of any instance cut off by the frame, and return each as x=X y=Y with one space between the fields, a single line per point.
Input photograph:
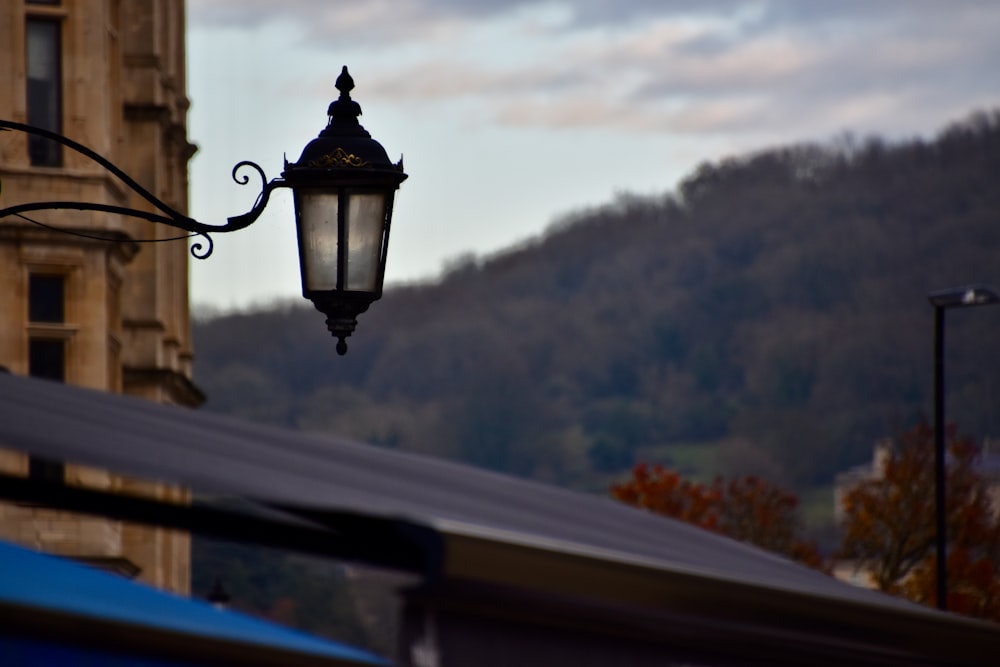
x=55 y=611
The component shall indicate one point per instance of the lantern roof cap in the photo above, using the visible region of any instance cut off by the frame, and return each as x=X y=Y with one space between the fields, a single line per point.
x=344 y=143
x=343 y=112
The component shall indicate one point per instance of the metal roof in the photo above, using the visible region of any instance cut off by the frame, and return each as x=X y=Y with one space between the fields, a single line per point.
x=454 y=522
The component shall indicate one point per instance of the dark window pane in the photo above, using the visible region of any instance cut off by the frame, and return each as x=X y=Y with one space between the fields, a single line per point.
x=44 y=89
x=47 y=359
x=46 y=298
x=46 y=470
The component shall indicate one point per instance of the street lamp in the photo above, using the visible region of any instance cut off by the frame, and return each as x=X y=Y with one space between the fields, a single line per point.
x=343 y=187
x=942 y=300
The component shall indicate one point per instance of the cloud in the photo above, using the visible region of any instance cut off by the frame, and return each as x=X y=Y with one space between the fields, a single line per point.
x=662 y=65
x=337 y=24
x=341 y=18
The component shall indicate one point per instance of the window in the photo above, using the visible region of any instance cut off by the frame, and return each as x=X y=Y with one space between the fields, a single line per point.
x=46 y=356
x=46 y=298
x=47 y=359
x=46 y=470
x=46 y=305
x=43 y=58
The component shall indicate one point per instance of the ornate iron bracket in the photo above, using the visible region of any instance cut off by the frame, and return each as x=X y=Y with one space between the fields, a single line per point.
x=167 y=215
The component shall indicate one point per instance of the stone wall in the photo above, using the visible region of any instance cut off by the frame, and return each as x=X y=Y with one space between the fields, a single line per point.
x=125 y=326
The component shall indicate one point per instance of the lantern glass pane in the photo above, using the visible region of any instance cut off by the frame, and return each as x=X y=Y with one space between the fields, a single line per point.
x=365 y=226
x=318 y=240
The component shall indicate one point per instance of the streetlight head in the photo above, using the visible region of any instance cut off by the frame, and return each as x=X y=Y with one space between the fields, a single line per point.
x=343 y=185
x=963 y=297
x=975 y=297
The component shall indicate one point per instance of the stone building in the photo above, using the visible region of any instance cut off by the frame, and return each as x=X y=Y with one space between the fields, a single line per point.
x=112 y=316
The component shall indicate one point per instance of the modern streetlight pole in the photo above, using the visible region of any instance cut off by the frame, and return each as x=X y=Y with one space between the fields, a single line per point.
x=942 y=300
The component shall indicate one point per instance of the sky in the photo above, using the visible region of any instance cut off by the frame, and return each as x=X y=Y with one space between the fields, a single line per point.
x=512 y=115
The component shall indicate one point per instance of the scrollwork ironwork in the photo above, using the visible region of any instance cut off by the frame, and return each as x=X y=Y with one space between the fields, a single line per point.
x=339 y=158
x=167 y=215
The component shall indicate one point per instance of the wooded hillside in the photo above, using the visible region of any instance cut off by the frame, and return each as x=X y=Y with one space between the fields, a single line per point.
x=772 y=311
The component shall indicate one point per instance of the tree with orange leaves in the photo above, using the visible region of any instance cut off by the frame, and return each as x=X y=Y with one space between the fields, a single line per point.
x=748 y=508
x=889 y=528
